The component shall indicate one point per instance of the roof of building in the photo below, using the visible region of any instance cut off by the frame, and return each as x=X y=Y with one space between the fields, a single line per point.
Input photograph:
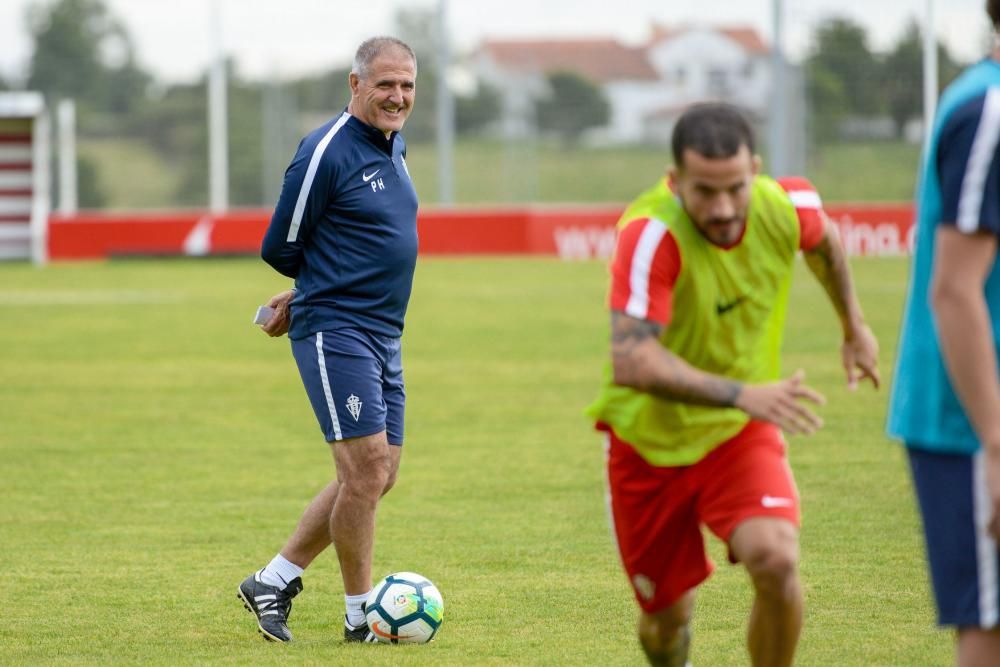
x=601 y=60
x=745 y=36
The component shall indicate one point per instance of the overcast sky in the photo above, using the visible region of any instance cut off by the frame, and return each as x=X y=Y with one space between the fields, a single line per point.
x=287 y=37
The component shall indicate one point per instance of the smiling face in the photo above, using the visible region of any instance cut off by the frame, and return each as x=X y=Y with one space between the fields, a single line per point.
x=715 y=192
x=382 y=95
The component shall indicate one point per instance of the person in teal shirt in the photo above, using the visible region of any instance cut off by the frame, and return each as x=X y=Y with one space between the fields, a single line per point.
x=945 y=403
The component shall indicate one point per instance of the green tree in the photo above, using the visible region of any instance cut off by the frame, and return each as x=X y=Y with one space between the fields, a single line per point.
x=178 y=126
x=66 y=58
x=828 y=102
x=477 y=111
x=126 y=85
x=903 y=67
x=572 y=106
x=328 y=92
x=245 y=144
x=842 y=50
x=842 y=76
x=91 y=194
x=82 y=52
x=419 y=28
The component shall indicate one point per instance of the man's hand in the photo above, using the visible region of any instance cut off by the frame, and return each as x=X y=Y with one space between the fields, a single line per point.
x=859 y=354
x=779 y=403
x=991 y=464
x=278 y=324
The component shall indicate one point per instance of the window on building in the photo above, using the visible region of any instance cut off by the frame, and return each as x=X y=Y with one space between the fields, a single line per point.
x=718 y=82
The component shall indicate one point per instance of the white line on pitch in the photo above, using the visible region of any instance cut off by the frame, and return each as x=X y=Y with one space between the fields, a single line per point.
x=37 y=297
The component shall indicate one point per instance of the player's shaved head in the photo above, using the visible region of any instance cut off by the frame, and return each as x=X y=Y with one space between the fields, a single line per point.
x=372 y=48
x=713 y=130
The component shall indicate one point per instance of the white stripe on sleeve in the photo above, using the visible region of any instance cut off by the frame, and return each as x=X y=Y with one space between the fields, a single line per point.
x=337 y=435
x=642 y=264
x=984 y=148
x=300 y=203
x=608 y=500
x=805 y=199
x=986 y=546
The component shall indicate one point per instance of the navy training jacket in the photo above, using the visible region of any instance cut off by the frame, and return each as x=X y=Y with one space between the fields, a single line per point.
x=345 y=227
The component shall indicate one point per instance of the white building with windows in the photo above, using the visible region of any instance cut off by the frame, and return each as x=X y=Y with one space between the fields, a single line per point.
x=647 y=86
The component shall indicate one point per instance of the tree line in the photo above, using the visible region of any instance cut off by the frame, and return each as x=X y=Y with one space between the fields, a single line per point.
x=81 y=51
x=845 y=78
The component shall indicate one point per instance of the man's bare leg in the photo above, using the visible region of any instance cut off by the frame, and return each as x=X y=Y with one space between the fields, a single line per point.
x=769 y=549
x=364 y=472
x=978 y=647
x=666 y=635
x=312 y=535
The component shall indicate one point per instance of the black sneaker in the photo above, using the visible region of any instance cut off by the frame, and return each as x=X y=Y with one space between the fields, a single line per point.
x=270 y=604
x=358 y=633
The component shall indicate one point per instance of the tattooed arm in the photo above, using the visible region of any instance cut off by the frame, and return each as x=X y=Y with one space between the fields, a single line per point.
x=639 y=361
x=828 y=262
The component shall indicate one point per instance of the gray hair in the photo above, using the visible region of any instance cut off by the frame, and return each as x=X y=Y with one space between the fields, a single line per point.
x=372 y=48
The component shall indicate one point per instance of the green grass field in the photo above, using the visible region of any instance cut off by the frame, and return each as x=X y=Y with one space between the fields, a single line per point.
x=157 y=448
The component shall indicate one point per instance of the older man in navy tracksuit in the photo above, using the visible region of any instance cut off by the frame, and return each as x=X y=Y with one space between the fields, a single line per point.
x=345 y=230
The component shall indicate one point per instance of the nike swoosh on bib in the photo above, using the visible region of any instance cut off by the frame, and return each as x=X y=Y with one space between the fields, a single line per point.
x=721 y=308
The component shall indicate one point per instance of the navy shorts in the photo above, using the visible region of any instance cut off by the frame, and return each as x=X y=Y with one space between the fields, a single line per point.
x=951 y=490
x=354 y=380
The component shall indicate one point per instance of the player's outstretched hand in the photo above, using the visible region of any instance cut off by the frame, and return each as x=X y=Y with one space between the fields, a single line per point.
x=278 y=324
x=859 y=354
x=781 y=403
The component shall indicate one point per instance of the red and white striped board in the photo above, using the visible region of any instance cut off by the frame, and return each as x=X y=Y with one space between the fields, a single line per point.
x=23 y=176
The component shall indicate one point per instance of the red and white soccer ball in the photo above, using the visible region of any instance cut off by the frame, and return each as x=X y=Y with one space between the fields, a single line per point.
x=404 y=608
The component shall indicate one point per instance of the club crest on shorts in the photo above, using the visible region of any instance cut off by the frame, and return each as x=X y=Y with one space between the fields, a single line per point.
x=354 y=406
x=644 y=586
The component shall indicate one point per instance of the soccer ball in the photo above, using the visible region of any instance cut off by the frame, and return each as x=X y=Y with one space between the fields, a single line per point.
x=404 y=608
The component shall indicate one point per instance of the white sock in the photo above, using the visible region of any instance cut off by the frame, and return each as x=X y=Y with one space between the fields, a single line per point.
x=353 y=603
x=280 y=571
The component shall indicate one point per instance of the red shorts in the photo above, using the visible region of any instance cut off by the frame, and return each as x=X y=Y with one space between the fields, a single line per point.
x=657 y=513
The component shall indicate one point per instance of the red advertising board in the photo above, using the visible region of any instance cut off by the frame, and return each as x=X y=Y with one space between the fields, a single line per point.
x=569 y=232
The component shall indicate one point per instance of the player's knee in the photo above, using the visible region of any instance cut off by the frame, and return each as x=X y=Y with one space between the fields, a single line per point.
x=773 y=568
x=369 y=481
x=662 y=636
x=377 y=480
x=667 y=633
x=769 y=550
x=389 y=482
x=665 y=640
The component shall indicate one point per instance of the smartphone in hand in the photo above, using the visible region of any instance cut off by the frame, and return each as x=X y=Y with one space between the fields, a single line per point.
x=264 y=315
